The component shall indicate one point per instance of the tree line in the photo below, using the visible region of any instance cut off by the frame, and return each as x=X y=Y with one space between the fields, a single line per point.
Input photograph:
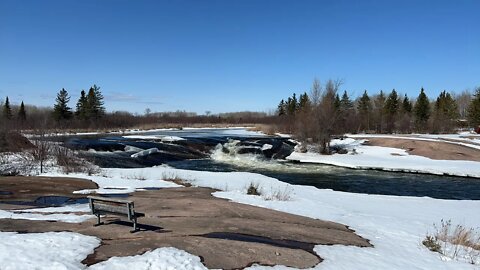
x=89 y=108
x=326 y=111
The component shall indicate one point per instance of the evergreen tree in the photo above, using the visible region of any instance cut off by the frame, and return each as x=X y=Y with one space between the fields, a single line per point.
x=345 y=103
x=292 y=105
x=22 y=115
x=337 y=102
x=95 y=107
x=304 y=102
x=82 y=106
x=7 y=110
x=446 y=112
x=474 y=109
x=61 y=111
x=407 y=105
x=422 y=111
x=391 y=109
x=379 y=111
x=281 y=108
x=364 y=108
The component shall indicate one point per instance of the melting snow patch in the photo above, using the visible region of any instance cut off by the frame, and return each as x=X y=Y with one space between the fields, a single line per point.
x=161 y=259
x=51 y=250
x=69 y=218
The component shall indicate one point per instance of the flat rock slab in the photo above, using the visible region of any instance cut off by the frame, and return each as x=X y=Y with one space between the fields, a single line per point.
x=440 y=150
x=223 y=234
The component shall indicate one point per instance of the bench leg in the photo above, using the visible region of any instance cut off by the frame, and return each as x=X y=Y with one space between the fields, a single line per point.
x=98 y=221
x=134 y=225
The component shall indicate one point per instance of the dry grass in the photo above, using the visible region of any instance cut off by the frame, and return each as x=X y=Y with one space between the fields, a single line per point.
x=457 y=242
x=280 y=194
x=173 y=177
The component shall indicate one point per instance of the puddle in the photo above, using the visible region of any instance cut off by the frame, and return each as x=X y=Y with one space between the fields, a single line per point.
x=49 y=201
x=58 y=200
x=5 y=192
x=308 y=247
x=150 y=188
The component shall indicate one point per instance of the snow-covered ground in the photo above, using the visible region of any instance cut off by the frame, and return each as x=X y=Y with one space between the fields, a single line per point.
x=389 y=159
x=394 y=225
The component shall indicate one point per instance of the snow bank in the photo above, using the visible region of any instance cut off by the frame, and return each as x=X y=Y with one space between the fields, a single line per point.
x=52 y=250
x=159 y=259
x=446 y=138
x=391 y=159
x=394 y=225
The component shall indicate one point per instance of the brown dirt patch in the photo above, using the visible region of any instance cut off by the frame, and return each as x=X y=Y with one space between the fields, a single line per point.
x=13 y=142
x=433 y=150
x=181 y=217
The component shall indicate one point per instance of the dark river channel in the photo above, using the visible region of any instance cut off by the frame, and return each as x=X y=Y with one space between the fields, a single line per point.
x=228 y=150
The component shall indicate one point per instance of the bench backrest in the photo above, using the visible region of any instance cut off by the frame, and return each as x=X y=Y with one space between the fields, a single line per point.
x=112 y=206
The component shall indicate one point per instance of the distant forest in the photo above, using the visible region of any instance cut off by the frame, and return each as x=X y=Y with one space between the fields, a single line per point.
x=90 y=114
x=326 y=111
x=313 y=116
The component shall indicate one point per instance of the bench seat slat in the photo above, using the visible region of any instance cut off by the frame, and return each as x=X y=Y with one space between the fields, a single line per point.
x=111 y=209
x=105 y=199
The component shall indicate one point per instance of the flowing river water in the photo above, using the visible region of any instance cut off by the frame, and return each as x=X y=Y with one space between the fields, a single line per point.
x=228 y=150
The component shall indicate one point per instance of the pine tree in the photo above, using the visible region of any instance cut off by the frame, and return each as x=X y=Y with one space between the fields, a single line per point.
x=474 y=109
x=406 y=105
x=422 y=111
x=391 y=110
x=95 y=107
x=82 y=106
x=22 y=115
x=364 y=108
x=281 y=108
x=379 y=111
x=7 y=110
x=337 y=102
x=61 y=111
x=304 y=102
x=446 y=112
x=345 y=103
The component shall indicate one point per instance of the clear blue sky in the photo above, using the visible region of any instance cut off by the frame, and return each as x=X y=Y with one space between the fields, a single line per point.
x=233 y=55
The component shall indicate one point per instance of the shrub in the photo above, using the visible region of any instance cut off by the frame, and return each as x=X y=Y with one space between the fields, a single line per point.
x=253 y=189
x=457 y=242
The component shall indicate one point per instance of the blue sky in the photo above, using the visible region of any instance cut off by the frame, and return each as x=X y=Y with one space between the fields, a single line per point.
x=233 y=55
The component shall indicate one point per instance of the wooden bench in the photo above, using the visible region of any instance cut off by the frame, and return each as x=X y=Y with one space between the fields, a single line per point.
x=110 y=206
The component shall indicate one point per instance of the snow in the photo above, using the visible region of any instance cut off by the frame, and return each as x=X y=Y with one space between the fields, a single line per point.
x=69 y=218
x=51 y=250
x=395 y=225
x=390 y=159
x=267 y=147
x=446 y=138
x=144 y=153
x=158 y=259
x=163 y=138
x=79 y=207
